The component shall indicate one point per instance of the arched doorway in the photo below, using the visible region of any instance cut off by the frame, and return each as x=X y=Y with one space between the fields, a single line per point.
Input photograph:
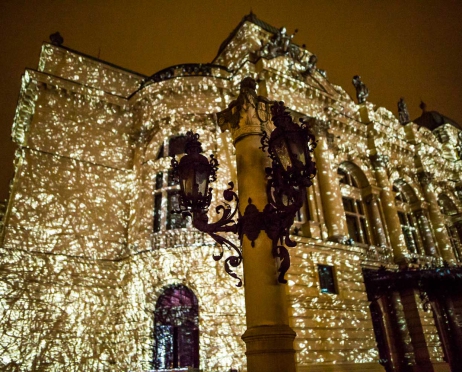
x=176 y=329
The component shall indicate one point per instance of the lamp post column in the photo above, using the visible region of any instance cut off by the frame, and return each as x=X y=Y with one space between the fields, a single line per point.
x=269 y=338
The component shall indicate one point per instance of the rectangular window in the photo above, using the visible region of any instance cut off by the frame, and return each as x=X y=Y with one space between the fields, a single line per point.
x=326 y=279
x=157 y=212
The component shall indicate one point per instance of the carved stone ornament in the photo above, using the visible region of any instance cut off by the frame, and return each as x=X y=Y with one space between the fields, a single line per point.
x=379 y=161
x=246 y=114
x=425 y=178
x=319 y=127
x=362 y=92
x=403 y=112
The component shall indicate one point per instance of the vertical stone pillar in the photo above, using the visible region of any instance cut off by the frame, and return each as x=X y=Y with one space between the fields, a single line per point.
x=415 y=328
x=269 y=338
x=437 y=221
x=390 y=212
x=427 y=237
x=329 y=187
x=376 y=220
x=406 y=358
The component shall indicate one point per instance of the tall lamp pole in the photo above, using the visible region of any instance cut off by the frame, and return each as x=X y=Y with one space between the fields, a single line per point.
x=271 y=196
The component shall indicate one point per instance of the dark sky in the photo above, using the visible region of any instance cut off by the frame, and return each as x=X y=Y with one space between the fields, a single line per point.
x=400 y=48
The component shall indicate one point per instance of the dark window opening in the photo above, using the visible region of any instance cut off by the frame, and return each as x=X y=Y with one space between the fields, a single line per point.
x=160 y=154
x=176 y=330
x=170 y=179
x=157 y=212
x=174 y=220
x=326 y=279
x=159 y=180
x=176 y=145
x=410 y=232
x=356 y=220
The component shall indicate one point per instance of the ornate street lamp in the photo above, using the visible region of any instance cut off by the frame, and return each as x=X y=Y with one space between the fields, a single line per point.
x=194 y=173
x=290 y=147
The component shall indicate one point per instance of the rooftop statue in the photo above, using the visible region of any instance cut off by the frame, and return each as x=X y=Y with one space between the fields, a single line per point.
x=311 y=66
x=362 y=92
x=403 y=113
x=279 y=45
x=56 y=39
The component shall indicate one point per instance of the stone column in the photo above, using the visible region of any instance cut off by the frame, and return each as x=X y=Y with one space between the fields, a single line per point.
x=376 y=220
x=269 y=338
x=334 y=214
x=437 y=221
x=427 y=237
x=390 y=212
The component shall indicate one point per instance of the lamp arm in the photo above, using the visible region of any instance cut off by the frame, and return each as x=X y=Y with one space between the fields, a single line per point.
x=226 y=223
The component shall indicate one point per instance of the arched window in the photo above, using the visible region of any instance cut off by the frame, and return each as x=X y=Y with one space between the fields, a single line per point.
x=176 y=329
x=452 y=222
x=405 y=197
x=352 y=181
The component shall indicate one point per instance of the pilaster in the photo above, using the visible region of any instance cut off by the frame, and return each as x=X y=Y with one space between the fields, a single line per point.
x=331 y=197
x=390 y=212
x=437 y=221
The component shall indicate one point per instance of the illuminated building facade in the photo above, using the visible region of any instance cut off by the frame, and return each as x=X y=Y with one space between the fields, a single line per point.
x=96 y=273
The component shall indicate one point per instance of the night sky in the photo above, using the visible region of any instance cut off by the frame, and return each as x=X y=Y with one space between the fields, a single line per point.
x=410 y=49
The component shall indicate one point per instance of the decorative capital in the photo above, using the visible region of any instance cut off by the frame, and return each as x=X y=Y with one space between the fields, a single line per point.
x=245 y=115
x=425 y=178
x=379 y=161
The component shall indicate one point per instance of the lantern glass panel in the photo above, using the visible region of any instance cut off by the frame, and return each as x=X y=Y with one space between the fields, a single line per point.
x=202 y=178
x=297 y=150
x=280 y=148
x=187 y=178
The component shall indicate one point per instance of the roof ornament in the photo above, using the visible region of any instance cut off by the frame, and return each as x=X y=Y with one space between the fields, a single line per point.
x=311 y=67
x=403 y=113
x=56 y=39
x=362 y=92
x=279 y=45
x=423 y=106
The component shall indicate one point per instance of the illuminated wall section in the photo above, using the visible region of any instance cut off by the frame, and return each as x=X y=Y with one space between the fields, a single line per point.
x=66 y=221
x=168 y=257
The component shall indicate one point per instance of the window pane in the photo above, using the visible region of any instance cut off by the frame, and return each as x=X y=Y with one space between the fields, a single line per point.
x=353 y=228
x=359 y=204
x=326 y=279
x=157 y=212
x=174 y=220
x=159 y=180
x=170 y=180
x=348 y=205
x=364 y=231
x=344 y=176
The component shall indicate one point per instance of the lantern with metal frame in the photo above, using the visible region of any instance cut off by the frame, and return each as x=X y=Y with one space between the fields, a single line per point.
x=290 y=147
